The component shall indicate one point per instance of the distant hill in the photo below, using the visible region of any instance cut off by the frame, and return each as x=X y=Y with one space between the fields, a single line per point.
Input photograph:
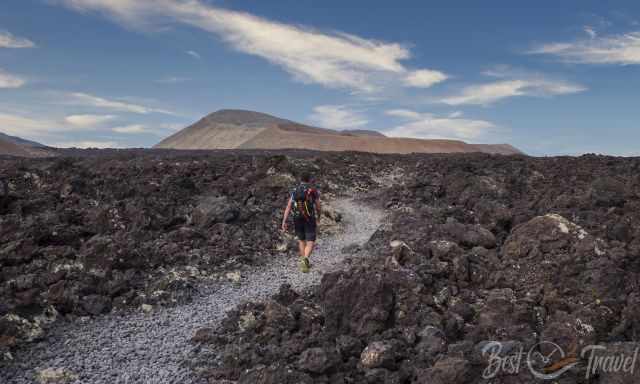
x=12 y=149
x=239 y=129
x=16 y=146
x=20 y=141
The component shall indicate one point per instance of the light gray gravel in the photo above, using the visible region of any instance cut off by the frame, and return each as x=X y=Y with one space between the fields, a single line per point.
x=152 y=348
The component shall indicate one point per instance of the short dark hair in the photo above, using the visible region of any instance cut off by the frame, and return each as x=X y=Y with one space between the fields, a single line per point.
x=305 y=177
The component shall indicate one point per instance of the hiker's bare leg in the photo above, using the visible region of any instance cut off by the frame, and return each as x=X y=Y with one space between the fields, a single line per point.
x=302 y=245
x=309 y=248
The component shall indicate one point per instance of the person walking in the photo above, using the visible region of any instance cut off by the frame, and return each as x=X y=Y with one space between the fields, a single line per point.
x=304 y=201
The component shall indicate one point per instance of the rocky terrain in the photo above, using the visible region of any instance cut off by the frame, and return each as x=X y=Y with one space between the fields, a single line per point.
x=83 y=236
x=238 y=129
x=475 y=249
x=153 y=345
x=522 y=251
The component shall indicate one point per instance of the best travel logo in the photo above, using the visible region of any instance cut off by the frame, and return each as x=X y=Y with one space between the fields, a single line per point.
x=548 y=361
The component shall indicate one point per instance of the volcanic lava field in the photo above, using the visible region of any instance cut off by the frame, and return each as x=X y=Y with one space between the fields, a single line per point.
x=169 y=266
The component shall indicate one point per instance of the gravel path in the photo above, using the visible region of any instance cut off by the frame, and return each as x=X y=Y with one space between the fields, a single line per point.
x=151 y=348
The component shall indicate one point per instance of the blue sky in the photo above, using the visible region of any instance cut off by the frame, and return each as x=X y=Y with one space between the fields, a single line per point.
x=548 y=77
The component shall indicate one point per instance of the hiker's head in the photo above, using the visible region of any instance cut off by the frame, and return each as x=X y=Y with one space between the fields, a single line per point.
x=306 y=177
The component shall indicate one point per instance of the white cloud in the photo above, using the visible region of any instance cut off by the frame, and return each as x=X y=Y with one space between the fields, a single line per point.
x=511 y=84
x=86 y=121
x=429 y=126
x=64 y=132
x=87 y=144
x=413 y=115
x=487 y=93
x=337 y=117
x=23 y=126
x=39 y=128
x=424 y=78
x=85 y=99
x=442 y=128
x=193 y=54
x=403 y=113
x=131 y=129
x=7 y=40
x=336 y=60
x=158 y=129
x=8 y=80
x=621 y=49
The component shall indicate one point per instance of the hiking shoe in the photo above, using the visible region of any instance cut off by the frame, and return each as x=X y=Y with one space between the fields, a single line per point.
x=304 y=265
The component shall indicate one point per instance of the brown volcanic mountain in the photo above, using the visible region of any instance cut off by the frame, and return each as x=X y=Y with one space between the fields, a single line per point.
x=15 y=146
x=12 y=149
x=238 y=129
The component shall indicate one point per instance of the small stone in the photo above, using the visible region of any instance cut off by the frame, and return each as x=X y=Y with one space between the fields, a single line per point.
x=146 y=308
x=7 y=341
x=348 y=346
x=396 y=244
x=314 y=360
x=279 y=316
x=234 y=276
x=59 y=375
x=378 y=354
x=247 y=321
x=351 y=248
x=203 y=335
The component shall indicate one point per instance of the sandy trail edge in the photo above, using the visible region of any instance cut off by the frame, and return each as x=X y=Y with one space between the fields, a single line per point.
x=152 y=348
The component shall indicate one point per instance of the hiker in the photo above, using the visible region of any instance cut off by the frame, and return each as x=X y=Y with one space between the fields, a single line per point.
x=305 y=203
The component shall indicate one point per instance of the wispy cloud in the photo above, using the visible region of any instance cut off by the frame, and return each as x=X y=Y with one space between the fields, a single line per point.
x=87 y=121
x=80 y=131
x=7 y=40
x=87 y=144
x=19 y=125
x=622 y=49
x=337 y=117
x=511 y=84
x=140 y=129
x=194 y=54
x=85 y=99
x=424 y=78
x=131 y=129
x=336 y=60
x=24 y=125
x=404 y=113
x=8 y=80
x=429 y=126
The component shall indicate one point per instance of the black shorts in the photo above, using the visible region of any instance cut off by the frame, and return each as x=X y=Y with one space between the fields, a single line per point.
x=305 y=229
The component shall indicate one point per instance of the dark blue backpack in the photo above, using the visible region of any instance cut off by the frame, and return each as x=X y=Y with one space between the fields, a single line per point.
x=304 y=202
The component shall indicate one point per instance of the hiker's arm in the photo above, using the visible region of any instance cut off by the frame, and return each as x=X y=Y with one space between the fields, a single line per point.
x=286 y=215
